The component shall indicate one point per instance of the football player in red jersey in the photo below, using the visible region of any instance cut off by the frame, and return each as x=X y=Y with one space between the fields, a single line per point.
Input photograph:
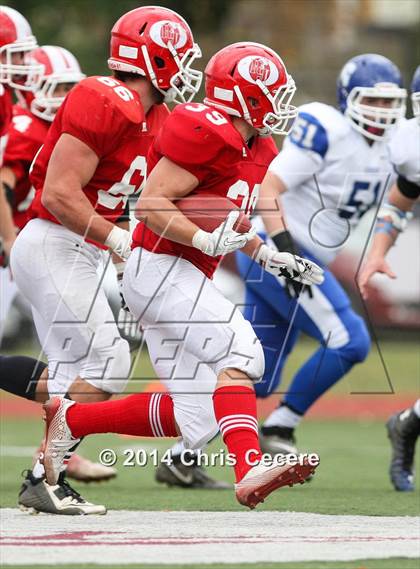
x=16 y=72
x=93 y=159
x=200 y=345
x=31 y=119
x=29 y=127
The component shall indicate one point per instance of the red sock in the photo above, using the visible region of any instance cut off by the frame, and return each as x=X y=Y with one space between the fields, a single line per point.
x=143 y=414
x=235 y=408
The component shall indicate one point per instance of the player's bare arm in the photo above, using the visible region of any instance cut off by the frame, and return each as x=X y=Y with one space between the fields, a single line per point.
x=384 y=240
x=269 y=203
x=71 y=166
x=167 y=183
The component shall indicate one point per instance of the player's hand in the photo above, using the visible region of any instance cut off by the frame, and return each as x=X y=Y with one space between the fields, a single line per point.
x=289 y=266
x=294 y=289
x=285 y=243
x=128 y=325
x=372 y=266
x=119 y=242
x=224 y=239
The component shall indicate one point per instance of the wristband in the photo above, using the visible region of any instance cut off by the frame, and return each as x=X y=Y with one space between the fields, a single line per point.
x=118 y=241
x=200 y=240
x=284 y=242
x=395 y=215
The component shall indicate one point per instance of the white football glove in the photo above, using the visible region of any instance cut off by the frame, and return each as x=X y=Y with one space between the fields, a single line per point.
x=224 y=239
x=129 y=325
x=119 y=241
x=289 y=266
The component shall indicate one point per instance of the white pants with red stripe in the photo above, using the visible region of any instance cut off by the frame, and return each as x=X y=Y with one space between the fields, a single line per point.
x=192 y=332
x=58 y=273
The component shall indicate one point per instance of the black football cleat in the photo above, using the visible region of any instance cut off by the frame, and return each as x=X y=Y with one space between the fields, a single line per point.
x=403 y=430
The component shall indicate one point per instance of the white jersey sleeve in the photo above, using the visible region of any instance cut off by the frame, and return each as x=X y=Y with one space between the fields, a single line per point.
x=308 y=144
x=404 y=148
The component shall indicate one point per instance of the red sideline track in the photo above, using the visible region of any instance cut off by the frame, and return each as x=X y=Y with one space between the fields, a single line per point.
x=331 y=407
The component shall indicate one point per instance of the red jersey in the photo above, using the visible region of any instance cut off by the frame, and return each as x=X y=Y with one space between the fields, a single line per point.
x=108 y=117
x=27 y=133
x=6 y=105
x=204 y=141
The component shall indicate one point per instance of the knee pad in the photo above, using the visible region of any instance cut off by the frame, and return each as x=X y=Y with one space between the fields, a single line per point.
x=245 y=354
x=357 y=348
x=109 y=367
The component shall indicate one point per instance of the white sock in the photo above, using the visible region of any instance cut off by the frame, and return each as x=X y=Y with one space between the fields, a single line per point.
x=283 y=417
x=38 y=470
x=416 y=408
x=178 y=448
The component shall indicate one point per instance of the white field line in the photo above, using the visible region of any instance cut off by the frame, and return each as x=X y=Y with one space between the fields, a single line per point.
x=126 y=537
x=19 y=451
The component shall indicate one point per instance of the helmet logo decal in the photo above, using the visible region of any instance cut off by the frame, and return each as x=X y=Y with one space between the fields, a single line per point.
x=254 y=68
x=169 y=33
x=259 y=69
x=166 y=31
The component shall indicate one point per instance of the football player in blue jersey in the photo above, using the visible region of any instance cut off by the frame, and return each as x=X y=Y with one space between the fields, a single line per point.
x=333 y=167
x=404 y=427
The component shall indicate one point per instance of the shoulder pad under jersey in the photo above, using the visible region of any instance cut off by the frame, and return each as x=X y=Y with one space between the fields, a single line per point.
x=117 y=93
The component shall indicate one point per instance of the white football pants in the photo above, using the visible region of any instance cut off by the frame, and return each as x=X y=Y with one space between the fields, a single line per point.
x=56 y=270
x=192 y=333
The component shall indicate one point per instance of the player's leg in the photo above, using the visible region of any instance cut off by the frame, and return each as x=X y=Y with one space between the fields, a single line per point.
x=327 y=317
x=403 y=431
x=202 y=329
x=191 y=330
x=24 y=377
x=57 y=273
x=278 y=337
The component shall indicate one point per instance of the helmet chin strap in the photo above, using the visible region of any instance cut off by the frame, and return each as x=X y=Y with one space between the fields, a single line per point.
x=245 y=111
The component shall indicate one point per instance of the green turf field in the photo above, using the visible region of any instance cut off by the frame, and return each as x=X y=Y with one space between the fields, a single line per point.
x=352 y=478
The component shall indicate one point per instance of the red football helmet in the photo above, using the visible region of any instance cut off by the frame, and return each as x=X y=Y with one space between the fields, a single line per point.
x=250 y=80
x=157 y=43
x=59 y=67
x=16 y=39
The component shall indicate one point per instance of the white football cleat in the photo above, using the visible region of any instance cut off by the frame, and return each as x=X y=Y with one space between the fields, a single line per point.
x=263 y=479
x=58 y=438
